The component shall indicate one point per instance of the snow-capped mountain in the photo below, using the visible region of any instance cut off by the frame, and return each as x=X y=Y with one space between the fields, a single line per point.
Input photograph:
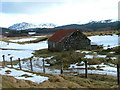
x=24 y=25
x=47 y=25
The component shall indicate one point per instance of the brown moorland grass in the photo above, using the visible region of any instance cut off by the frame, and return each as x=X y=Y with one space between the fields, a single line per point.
x=63 y=81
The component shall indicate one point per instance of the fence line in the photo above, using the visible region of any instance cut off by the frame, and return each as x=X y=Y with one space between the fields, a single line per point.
x=61 y=67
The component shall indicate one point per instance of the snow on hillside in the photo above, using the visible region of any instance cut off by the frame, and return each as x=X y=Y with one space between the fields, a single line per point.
x=47 y=25
x=24 y=25
x=19 y=74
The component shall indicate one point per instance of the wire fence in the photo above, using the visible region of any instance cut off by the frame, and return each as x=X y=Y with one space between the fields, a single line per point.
x=61 y=71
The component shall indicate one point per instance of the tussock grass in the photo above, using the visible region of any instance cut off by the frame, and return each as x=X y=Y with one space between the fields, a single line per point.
x=72 y=57
x=64 y=81
x=64 y=57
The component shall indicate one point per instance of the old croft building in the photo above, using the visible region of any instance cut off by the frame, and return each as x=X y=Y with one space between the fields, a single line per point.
x=68 y=40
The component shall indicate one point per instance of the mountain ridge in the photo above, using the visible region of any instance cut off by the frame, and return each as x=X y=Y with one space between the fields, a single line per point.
x=25 y=25
x=88 y=27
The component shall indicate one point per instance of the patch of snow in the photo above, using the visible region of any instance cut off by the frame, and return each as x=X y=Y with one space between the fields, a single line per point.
x=108 y=70
x=15 y=54
x=107 y=41
x=112 y=64
x=92 y=43
x=97 y=56
x=23 y=40
x=101 y=56
x=73 y=66
x=31 y=46
x=48 y=57
x=88 y=56
x=102 y=72
x=94 y=52
x=113 y=58
x=25 y=51
x=77 y=51
x=111 y=52
x=18 y=75
x=82 y=51
x=2 y=43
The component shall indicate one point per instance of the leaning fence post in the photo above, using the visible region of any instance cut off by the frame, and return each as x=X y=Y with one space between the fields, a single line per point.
x=118 y=74
x=11 y=61
x=43 y=65
x=19 y=63
x=31 y=64
x=85 y=69
x=3 y=60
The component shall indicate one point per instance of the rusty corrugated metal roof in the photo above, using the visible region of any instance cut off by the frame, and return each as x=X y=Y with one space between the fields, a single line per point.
x=60 y=34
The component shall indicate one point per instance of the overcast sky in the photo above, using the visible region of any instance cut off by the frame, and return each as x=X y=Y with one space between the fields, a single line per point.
x=59 y=12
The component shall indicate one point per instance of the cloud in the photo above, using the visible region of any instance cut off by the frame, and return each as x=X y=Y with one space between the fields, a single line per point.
x=61 y=13
x=85 y=11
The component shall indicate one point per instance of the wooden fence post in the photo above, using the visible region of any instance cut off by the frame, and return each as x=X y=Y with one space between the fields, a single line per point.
x=61 y=71
x=118 y=74
x=85 y=69
x=31 y=64
x=11 y=61
x=3 y=60
x=19 y=63
x=43 y=65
